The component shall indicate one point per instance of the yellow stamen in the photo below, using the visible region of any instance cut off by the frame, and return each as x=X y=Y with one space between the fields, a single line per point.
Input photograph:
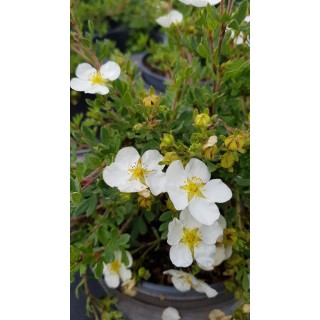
x=193 y=187
x=97 y=79
x=115 y=266
x=191 y=237
x=138 y=172
x=188 y=280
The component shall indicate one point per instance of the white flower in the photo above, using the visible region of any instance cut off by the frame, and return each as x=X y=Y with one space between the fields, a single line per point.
x=190 y=240
x=222 y=253
x=184 y=282
x=116 y=270
x=173 y=17
x=190 y=187
x=90 y=80
x=170 y=314
x=200 y=3
x=132 y=173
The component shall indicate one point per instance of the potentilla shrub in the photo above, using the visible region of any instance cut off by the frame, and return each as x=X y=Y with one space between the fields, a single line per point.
x=165 y=177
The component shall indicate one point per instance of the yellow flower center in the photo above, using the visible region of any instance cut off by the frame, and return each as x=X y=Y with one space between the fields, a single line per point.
x=191 y=237
x=115 y=266
x=138 y=172
x=193 y=187
x=97 y=79
x=188 y=280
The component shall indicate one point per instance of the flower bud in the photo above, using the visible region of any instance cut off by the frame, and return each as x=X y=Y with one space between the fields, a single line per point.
x=229 y=236
x=151 y=101
x=145 y=202
x=195 y=149
x=144 y=273
x=138 y=127
x=235 y=143
x=167 y=141
x=128 y=287
x=145 y=193
x=210 y=149
x=169 y=157
x=210 y=152
x=202 y=120
x=227 y=160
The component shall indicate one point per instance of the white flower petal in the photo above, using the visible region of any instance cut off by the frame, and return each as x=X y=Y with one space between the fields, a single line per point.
x=97 y=88
x=164 y=21
x=187 y=219
x=175 y=16
x=176 y=174
x=204 y=288
x=170 y=314
x=180 y=283
x=178 y=196
x=198 y=169
x=114 y=175
x=204 y=211
x=156 y=181
x=174 y=272
x=210 y=234
x=79 y=84
x=125 y=274
x=175 y=232
x=219 y=255
x=247 y=19
x=180 y=255
x=204 y=254
x=209 y=268
x=217 y=191
x=110 y=70
x=227 y=252
x=150 y=160
x=222 y=221
x=85 y=71
x=185 y=1
x=127 y=157
x=112 y=279
x=132 y=186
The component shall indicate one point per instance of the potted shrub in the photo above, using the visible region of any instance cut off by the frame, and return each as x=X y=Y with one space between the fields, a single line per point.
x=160 y=204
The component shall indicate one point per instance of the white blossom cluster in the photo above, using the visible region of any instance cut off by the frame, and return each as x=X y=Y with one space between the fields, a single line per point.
x=200 y=226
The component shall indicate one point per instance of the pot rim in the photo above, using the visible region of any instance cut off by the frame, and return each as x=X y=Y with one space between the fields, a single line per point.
x=148 y=71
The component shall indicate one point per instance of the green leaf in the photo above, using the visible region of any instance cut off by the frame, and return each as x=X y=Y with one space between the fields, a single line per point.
x=103 y=236
x=241 y=13
x=124 y=238
x=104 y=134
x=211 y=167
x=91 y=28
x=76 y=198
x=164 y=226
x=89 y=136
x=245 y=282
x=81 y=208
x=142 y=226
x=98 y=269
x=93 y=201
x=149 y=216
x=166 y=216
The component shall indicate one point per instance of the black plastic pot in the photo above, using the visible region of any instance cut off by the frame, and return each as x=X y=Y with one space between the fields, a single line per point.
x=150 y=77
x=151 y=299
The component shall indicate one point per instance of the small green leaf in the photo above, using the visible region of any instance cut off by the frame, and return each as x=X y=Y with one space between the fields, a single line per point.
x=93 y=201
x=166 y=216
x=76 y=198
x=124 y=238
x=98 y=269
